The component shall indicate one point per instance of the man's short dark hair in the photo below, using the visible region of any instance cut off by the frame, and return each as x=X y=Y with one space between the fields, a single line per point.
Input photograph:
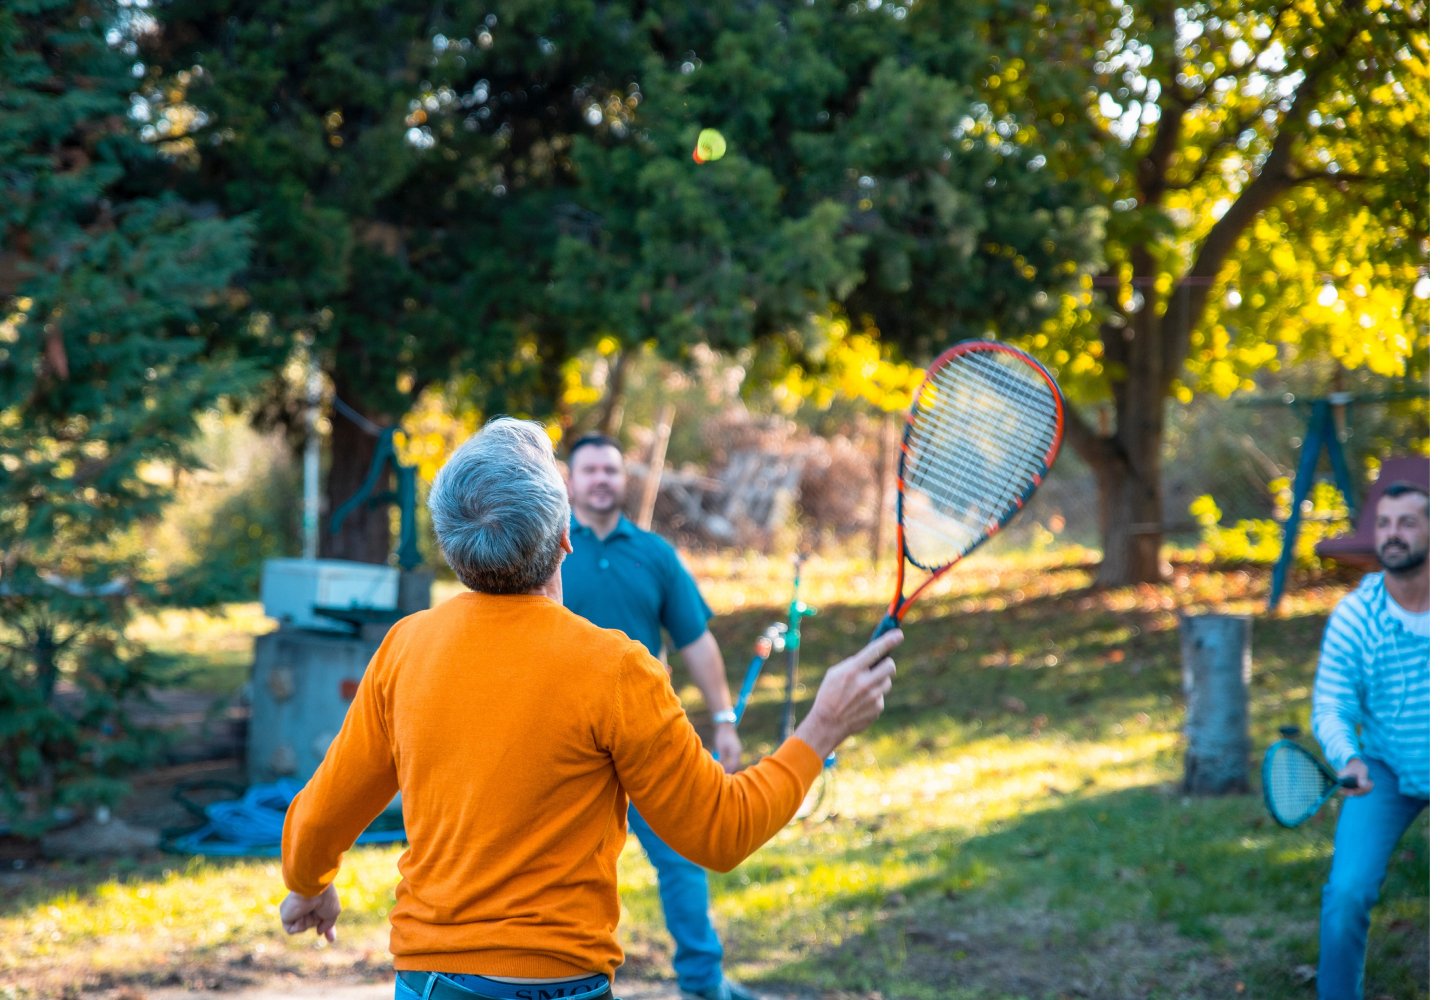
x=1400 y=487
x=593 y=440
x=1403 y=487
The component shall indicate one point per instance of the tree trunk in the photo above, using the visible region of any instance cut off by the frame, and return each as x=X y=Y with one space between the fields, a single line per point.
x=1128 y=484
x=645 y=514
x=612 y=406
x=1215 y=657
x=364 y=535
x=882 y=528
x=1130 y=526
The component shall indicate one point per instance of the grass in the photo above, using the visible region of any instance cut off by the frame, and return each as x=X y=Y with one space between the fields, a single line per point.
x=1011 y=828
x=208 y=652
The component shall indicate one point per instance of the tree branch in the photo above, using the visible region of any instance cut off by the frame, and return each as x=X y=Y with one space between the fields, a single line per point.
x=1327 y=175
x=1150 y=171
x=1223 y=142
x=1273 y=180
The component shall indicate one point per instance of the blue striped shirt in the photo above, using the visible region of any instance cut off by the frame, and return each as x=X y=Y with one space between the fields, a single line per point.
x=1374 y=676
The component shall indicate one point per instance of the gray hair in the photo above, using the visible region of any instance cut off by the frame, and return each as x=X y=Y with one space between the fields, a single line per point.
x=499 y=508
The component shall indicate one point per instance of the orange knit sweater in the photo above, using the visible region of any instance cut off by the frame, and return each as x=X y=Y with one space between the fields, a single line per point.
x=514 y=730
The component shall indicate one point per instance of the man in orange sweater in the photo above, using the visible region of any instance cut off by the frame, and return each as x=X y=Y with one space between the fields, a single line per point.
x=516 y=732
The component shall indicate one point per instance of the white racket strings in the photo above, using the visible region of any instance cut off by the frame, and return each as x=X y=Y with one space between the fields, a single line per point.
x=1295 y=784
x=983 y=429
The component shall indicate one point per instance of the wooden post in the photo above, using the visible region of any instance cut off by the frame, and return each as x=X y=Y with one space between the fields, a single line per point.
x=1215 y=663
x=646 y=513
x=882 y=546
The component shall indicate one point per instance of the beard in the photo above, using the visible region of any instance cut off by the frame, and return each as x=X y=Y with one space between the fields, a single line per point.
x=600 y=501
x=1398 y=558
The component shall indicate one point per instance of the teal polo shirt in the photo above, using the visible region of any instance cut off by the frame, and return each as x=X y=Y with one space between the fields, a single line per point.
x=633 y=580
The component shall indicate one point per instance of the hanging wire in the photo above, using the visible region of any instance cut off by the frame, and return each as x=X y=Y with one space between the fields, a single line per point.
x=357 y=418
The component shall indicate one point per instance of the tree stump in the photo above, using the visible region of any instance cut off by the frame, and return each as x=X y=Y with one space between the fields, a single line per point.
x=1215 y=659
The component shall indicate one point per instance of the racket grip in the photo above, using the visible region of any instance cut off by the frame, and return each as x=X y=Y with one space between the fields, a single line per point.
x=1349 y=781
x=887 y=624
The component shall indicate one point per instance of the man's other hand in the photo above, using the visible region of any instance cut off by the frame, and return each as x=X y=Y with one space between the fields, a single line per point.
x=300 y=913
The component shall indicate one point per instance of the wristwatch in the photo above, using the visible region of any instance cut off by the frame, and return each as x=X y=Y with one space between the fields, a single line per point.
x=725 y=718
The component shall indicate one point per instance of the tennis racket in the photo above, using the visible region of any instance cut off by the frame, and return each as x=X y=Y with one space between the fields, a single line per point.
x=1297 y=783
x=984 y=429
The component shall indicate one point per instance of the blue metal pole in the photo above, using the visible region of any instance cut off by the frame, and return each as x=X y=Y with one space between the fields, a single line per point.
x=1320 y=423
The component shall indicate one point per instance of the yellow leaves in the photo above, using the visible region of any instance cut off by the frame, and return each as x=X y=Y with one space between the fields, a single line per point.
x=10 y=325
x=856 y=366
x=575 y=390
x=1283 y=256
x=1255 y=356
x=431 y=431
x=1205 y=511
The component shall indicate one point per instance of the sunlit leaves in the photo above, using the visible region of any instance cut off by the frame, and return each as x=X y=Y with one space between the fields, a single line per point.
x=854 y=365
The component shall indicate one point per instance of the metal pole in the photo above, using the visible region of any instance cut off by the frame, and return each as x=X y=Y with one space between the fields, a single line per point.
x=310 y=520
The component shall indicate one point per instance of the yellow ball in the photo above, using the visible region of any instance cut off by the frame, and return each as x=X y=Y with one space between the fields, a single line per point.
x=710 y=146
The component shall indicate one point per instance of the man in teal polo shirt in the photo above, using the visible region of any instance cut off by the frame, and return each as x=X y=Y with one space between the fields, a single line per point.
x=622 y=577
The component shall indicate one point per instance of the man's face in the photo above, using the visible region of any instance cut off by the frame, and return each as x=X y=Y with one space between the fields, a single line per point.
x=597 y=478
x=1402 y=532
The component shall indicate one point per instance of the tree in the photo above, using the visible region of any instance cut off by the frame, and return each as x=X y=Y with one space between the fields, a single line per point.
x=447 y=190
x=108 y=288
x=1260 y=167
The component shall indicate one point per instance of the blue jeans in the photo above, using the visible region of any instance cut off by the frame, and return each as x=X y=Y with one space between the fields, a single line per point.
x=1369 y=828
x=685 y=898
x=429 y=985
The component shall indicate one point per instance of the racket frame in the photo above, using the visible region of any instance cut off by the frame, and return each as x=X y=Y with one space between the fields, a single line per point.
x=899 y=604
x=1333 y=782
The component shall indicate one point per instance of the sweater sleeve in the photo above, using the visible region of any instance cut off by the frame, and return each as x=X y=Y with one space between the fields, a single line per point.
x=713 y=818
x=352 y=785
x=1336 y=710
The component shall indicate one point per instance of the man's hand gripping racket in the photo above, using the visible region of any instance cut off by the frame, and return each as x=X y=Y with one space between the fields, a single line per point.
x=1296 y=782
x=984 y=429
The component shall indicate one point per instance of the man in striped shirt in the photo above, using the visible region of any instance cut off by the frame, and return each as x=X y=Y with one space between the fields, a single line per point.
x=1374 y=676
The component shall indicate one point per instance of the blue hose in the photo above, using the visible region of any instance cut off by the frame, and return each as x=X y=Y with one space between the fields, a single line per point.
x=251 y=825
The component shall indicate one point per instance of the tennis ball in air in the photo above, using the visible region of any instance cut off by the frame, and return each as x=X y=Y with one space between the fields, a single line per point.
x=710 y=146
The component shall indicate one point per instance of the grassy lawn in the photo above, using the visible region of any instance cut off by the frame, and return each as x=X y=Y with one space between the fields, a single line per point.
x=1011 y=828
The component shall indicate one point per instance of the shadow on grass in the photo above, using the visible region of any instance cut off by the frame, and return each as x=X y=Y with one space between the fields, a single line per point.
x=1060 y=662
x=1142 y=893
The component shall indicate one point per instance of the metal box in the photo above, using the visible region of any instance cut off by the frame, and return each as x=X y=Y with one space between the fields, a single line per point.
x=300 y=688
x=291 y=590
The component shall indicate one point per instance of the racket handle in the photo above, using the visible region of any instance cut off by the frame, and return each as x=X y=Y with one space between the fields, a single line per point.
x=1349 y=781
x=888 y=624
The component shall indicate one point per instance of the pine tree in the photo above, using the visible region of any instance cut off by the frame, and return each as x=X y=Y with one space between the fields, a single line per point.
x=108 y=291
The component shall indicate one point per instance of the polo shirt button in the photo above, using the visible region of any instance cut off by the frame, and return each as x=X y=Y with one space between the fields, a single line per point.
x=604 y=563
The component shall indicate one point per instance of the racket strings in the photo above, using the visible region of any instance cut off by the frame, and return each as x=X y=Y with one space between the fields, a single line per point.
x=1010 y=424
x=1294 y=784
x=1015 y=416
x=983 y=429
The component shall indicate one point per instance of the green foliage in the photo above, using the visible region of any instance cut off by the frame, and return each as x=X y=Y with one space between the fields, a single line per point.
x=227 y=518
x=1255 y=165
x=1258 y=540
x=108 y=292
x=67 y=680
x=459 y=190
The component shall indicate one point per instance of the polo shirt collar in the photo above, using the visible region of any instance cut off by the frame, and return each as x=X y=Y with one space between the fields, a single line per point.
x=624 y=528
